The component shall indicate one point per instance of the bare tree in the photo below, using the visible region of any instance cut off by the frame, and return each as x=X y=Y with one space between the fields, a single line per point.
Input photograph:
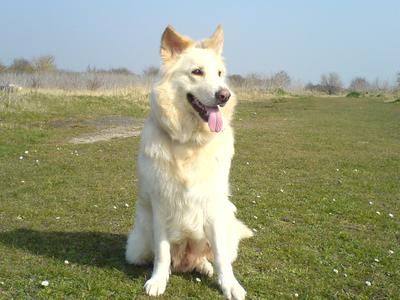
x=236 y=79
x=151 y=72
x=21 y=65
x=331 y=83
x=359 y=84
x=3 y=68
x=280 y=80
x=398 y=80
x=44 y=64
x=380 y=86
x=121 y=70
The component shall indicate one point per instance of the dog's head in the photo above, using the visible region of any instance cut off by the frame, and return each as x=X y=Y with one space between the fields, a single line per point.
x=194 y=78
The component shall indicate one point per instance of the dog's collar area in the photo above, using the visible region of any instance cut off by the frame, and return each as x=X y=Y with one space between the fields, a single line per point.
x=202 y=109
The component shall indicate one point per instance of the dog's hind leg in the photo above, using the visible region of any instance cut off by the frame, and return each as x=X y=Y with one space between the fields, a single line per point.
x=205 y=267
x=139 y=247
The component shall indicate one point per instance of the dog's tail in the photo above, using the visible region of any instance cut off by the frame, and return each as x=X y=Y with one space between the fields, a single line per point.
x=244 y=231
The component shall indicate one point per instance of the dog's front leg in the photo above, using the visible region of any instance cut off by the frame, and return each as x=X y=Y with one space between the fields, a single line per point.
x=223 y=260
x=155 y=286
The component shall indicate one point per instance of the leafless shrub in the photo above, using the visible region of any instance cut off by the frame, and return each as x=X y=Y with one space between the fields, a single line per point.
x=21 y=65
x=3 y=68
x=35 y=82
x=331 y=83
x=380 y=86
x=280 y=80
x=236 y=80
x=44 y=64
x=359 y=84
x=94 y=83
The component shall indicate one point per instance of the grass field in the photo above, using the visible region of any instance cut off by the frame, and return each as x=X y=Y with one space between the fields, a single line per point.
x=317 y=179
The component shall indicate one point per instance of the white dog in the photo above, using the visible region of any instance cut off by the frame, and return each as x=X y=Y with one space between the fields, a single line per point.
x=184 y=218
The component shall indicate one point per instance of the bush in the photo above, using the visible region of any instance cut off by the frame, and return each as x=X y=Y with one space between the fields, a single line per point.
x=280 y=92
x=354 y=95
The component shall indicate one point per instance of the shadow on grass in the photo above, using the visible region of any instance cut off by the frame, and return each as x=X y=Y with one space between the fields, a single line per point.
x=99 y=249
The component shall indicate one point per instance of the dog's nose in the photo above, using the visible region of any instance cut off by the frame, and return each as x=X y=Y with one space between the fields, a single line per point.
x=222 y=96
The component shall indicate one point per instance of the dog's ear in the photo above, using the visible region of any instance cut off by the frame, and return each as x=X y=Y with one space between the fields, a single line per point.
x=216 y=41
x=172 y=44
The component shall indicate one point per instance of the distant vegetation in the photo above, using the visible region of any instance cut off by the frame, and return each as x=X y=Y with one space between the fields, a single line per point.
x=42 y=72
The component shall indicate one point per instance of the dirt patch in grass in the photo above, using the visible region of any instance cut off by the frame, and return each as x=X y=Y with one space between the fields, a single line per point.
x=107 y=134
x=109 y=127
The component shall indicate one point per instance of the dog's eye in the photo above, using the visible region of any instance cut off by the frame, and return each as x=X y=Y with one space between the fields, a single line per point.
x=219 y=73
x=198 y=72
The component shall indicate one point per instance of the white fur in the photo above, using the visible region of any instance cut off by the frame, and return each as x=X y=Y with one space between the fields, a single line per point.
x=184 y=218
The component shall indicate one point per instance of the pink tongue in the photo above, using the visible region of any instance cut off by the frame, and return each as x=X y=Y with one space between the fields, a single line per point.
x=215 y=120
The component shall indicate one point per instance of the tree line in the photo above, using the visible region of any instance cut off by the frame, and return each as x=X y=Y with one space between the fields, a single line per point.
x=329 y=83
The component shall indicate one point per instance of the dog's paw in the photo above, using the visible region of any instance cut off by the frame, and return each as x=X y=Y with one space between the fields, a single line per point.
x=232 y=289
x=155 y=286
x=205 y=268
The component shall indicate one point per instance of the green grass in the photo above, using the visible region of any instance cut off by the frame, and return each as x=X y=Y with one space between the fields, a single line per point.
x=304 y=173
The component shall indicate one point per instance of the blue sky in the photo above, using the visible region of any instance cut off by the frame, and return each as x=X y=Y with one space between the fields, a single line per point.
x=305 y=38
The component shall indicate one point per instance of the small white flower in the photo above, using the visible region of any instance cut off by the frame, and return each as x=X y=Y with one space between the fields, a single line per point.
x=355 y=170
x=254 y=202
x=337 y=170
x=296 y=295
x=95 y=205
x=255 y=217
x=21 y=157
x=281 y=190
x=2 y=282
x=391 y=251
x=255 y=230
x=376 y=260
x=45 y=283
x=114 y=207
x=247 y=163
x=336 y=271
x=26 y=152
x=66 y=262
x=391 y=215
x=37 y=161
x=370 y=202
x=19 y=218
x=334 y=200
x=57 y=218
x=258 y=196
x=58 y=148
x=22 y=181
x=126 y=205
x=198 y=279
x=378 y=213
x=368 y=283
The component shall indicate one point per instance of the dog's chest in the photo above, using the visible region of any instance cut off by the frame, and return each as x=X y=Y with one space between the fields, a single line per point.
x=194 y=166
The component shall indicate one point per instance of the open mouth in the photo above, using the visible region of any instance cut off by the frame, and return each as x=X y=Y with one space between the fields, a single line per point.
x=209 y=114
x=203 y=110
